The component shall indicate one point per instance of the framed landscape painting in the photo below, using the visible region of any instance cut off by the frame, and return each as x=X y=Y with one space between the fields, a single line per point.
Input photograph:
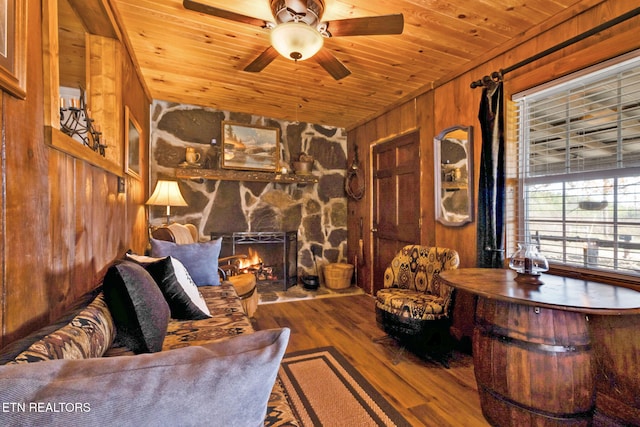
x=132 y=138
x=250 y=147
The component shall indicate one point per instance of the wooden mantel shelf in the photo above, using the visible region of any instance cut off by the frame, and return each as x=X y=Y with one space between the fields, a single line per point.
x=235 y=175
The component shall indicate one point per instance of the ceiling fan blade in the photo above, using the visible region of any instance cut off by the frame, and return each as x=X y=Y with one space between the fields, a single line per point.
x=263 y=60
x=331 y=64
x=221 y=13
x=367 y=26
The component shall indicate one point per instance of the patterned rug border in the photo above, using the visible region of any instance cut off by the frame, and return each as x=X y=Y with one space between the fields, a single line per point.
x=297 y=398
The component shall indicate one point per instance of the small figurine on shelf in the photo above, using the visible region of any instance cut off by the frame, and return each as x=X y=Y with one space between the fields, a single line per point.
x=304 y=165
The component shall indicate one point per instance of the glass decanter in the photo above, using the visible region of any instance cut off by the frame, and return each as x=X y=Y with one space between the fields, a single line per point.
x=529 y=263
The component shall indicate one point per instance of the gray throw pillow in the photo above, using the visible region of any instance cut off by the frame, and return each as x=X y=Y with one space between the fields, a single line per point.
x=201 y=259
x=225 y=383
x=137 y=306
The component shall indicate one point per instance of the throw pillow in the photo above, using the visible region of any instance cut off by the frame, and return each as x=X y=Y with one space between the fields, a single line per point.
x=139 y=309
x=224 y=383
x=181 y=293
x=89 y=334
x=201 y=259
x=183 y=276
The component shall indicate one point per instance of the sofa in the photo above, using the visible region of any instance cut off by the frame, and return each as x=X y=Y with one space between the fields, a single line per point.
x=93 y=368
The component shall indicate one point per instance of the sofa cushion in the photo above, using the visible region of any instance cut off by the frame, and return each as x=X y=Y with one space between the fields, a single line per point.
x=89 y=334
x=10 y=351
x=224 y=383
x=184 y=299
x=201 y=259
x=409 y=304
x=138 y=307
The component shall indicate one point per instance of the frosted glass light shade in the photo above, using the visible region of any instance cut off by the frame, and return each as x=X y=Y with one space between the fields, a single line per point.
x=296 y=40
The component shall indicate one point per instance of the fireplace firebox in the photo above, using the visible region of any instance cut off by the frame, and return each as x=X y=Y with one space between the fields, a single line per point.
x=276 y=252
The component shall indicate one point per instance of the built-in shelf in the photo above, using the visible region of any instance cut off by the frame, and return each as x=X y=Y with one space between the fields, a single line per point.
x=236 y=175
x=454 y=186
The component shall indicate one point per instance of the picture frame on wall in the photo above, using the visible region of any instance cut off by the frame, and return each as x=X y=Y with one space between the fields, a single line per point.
x=13 y=47
x=250 y=147
x=132 y=140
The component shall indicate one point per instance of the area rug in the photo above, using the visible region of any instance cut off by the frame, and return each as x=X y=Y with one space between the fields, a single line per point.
x=326 y=390
x=274 y=292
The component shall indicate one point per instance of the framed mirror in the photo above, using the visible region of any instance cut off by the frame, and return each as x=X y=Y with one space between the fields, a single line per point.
x=453 y=150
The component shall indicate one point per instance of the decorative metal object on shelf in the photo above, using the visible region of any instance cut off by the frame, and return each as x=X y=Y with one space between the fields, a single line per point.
x=75 y=122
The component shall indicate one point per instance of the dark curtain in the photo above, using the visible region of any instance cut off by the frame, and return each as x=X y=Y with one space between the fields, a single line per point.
x=491 y=189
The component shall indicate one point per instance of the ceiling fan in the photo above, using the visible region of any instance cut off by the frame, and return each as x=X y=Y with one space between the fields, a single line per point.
x=298 y=32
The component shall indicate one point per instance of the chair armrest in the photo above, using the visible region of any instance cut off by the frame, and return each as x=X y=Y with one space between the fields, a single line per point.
x=231 y=266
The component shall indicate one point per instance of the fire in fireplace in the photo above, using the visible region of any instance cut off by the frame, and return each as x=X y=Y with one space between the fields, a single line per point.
x=271 y=255
x=255 y=265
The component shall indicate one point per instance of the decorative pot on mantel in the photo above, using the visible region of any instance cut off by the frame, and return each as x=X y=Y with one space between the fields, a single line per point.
x=304 y=165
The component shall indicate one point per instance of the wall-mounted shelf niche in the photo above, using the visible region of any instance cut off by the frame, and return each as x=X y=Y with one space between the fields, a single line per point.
x=82 y=48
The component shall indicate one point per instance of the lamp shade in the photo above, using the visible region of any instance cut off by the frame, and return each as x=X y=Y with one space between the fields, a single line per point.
x=166 y=193
x=296 y=40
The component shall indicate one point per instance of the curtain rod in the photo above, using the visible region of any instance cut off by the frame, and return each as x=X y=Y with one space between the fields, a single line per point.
x=496 y=76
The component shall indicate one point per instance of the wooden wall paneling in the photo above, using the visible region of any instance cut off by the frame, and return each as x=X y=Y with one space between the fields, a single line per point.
x=424 y=118
x=3 y=223
x=97 y=17
x=354 y=209
x=359 y=210
x=108 y=228
x=408 y=119
x=543 y=71
x=84 y=271
x=71 y=64
x=456 y=103
x=61 y=234
x=104 y=75
x=610 y=43
x=25 y=294
x=63 y=222
x=134 y=96
x=137 y=216
x=50 y=54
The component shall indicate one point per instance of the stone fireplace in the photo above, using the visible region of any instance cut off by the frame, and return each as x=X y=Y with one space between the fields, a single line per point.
x=317 y=212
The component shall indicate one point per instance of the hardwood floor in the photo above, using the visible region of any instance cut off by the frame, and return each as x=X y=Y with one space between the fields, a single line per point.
x=425 y=393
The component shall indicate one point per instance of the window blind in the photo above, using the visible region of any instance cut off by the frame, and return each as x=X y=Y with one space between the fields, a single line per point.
x=579 y=168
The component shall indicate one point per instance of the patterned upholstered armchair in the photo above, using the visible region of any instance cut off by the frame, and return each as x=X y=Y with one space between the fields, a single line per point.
x=414 y=307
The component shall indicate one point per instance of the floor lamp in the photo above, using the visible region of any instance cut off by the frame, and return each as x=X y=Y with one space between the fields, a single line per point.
x=167 y=193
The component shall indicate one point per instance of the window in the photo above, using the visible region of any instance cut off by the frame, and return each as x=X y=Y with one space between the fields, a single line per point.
x=579 y=168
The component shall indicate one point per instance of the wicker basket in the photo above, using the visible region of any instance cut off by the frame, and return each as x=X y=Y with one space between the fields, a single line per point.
x=338 y=275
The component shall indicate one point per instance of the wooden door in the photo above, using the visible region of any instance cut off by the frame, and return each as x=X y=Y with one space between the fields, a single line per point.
x=396 y=200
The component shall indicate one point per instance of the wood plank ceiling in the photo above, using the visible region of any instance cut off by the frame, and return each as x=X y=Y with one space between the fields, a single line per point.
x=192 y=58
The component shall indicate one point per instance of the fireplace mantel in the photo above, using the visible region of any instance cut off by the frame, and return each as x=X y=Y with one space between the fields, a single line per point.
x=236 y=175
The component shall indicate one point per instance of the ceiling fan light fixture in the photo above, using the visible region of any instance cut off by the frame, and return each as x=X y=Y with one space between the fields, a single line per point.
x=296 y=40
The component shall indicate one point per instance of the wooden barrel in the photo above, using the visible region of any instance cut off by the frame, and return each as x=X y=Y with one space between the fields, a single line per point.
x=617 y=353
x=534 y=366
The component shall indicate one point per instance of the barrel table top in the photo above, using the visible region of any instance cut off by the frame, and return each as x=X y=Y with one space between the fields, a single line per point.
x=556 y=292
